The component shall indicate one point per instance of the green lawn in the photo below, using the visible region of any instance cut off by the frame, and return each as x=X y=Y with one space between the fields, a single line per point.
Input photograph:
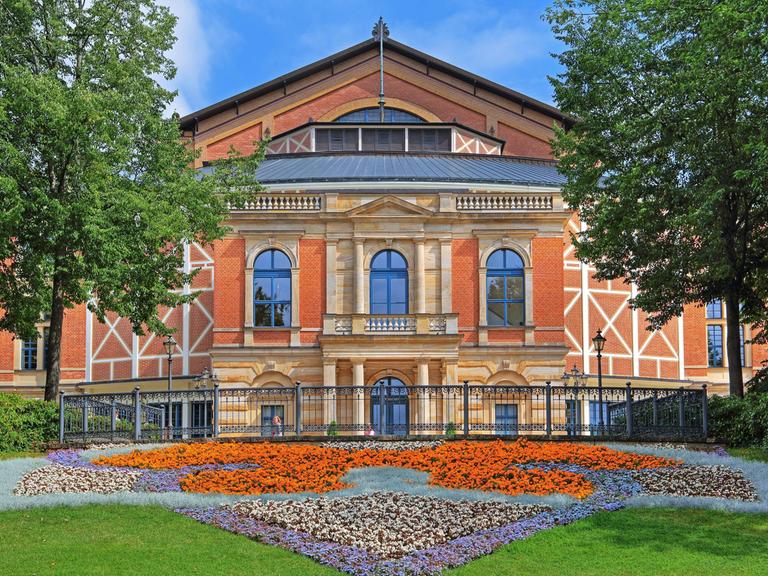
x=149 y=540
x=751 y=453
x=12 y=455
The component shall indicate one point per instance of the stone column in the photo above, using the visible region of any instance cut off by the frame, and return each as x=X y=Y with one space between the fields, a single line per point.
x=330 y=277
x=329 y=390
x=358 y=409
x=421 y=287
x=422 y=380
x=359 y=276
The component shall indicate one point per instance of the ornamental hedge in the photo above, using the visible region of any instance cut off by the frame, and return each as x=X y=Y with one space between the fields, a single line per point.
x=26 y=424
x=741 y=422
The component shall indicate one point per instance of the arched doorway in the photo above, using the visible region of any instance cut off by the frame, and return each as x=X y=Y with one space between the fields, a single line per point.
x=389 y=407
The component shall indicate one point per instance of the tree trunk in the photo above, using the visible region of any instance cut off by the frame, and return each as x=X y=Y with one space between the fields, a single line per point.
x=733 y=344
x=53 y=358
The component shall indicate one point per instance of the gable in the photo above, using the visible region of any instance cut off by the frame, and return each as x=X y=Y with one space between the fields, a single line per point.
x=391 y=207
x=349 y=80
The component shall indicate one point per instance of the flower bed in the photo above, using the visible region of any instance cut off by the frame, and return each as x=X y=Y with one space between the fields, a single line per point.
x=390 y=522
x=291 y=468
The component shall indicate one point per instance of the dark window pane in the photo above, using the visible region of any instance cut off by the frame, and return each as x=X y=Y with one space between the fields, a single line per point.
x=379 y=308
x=398 y=290
x=496 y=314
x=378 y=290
x=281 y=261
x=262 y=315
x=282 y=314
x=396 y=260
x=495 y=285
x=335 y=139
x=515 y=287
x=715 y=309
x=512 y=260
x=263 y=261
x=262 y=288
x=715 y=345
x=496 y=260
x=282 y=288
x=380 y=260
x=374 y=115
x=398 y=308
x=515 y=314
x=429 y=140
x=384 y=139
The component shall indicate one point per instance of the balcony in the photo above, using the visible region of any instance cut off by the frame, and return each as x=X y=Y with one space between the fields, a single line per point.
x=389 y=324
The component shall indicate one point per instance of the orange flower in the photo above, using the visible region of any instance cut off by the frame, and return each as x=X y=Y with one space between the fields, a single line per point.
x=292 y=468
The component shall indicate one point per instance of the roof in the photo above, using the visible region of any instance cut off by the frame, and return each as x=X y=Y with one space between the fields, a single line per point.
x=361 y=167
x=188 y=121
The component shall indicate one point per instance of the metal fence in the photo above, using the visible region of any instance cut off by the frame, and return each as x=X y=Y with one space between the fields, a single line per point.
x=387 y=410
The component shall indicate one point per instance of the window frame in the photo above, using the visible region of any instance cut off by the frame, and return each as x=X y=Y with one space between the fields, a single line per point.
x=506 y=272
x=273 y=274
x=29 y=352
x=388 y=274
x=712 y=313
x=712 y=331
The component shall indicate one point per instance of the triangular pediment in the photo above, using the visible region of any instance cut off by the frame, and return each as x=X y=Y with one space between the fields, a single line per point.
x=389 y=207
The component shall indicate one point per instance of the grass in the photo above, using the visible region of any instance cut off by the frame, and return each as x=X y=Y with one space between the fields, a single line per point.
x=125 y=540
x=638 y=541
x=12 y=455
x=751 y=453
x=128 y=540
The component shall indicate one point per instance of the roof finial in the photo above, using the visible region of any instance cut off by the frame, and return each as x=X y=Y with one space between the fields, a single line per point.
x=381 y=31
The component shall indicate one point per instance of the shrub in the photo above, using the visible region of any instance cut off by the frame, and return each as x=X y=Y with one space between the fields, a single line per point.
x=740 y=421
x=333 y=428
x=26 y=424
x=450 y=429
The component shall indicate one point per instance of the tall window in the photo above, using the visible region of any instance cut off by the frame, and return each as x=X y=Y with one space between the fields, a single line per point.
x=29 y=354
x=391 y=115
x=505 y=289
x=715 y=345
x=389 y=283
x=741 y=345
x=715 y=309
x=272 y=289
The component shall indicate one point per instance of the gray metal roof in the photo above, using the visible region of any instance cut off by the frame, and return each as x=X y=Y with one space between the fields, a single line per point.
x=407 y=168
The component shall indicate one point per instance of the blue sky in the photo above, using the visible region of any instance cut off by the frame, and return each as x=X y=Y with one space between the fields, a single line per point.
x=227 y=46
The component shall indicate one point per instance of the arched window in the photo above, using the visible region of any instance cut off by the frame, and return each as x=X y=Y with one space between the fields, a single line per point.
x=391 y=115
x=272 y=289
x=389 y=283
x=505 y=289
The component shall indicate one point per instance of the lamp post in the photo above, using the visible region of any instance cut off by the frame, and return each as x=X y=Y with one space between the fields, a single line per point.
x=170 y=345
x=599 y=342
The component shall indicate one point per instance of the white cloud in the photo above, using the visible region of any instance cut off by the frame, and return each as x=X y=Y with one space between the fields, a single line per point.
x=192 y=56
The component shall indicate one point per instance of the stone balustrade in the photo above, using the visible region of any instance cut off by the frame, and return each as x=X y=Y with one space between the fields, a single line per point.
x=503 y=202
x=282 y=203
x=389 y=324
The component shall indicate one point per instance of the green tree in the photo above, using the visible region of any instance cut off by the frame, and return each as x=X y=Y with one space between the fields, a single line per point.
x=97 y=190
x=668 y=162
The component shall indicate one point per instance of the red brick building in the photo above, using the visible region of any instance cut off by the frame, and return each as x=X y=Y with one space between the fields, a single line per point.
x=431 y=246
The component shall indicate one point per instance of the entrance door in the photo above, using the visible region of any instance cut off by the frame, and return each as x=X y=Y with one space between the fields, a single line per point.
x=268 y=414
x=389 y=407
x=506 y=419
x=202 y=417
x=573 y=417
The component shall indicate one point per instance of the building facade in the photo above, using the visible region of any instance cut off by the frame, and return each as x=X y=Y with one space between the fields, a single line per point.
x=423 y=243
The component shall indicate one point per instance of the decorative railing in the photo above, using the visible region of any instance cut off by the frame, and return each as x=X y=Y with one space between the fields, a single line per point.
x=416 y=324
x=282 y=203
x=503 y=202
x=466 y=409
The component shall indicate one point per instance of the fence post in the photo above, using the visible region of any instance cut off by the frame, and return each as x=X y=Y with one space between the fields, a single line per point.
x=629 y=410
x=704 y=411
x=466 y=408
x=61 y=417
x=136 y=414
x=680 y=411
x=297 y=404
x=548 y=405
x=216 y=405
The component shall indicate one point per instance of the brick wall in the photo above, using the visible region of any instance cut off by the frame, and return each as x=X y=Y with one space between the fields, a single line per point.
x=311 y=287
x=242 y=141
x=521 y=144
x=229 y=279
x=464 y=286
x=548 y=296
